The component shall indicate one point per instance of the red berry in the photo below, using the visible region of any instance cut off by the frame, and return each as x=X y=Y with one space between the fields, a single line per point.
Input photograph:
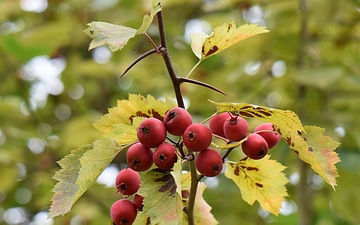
x=165 y=156
x=176 y=120
x=128 y=181
x=197 y=137
x=139 y=157
x=138 y=201
x=209 y=162
x=235 y=128
x=255 y=146
x=272 y=138
x=216 y=123
x=123 y=212
x=151 y=132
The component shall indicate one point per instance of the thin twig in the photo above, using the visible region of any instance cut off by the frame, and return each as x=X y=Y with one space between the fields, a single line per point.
x=153 y=43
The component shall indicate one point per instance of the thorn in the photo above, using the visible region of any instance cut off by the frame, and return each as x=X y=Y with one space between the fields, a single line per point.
x=138 y=59
x=188 y=80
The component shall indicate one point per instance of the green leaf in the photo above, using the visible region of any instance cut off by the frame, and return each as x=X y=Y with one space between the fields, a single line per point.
x=162 y=203
x=147 y=20
x=317 y=150
x=65 y=190
x=79 y=171
x=222 y=38
x=115 y=36
x=135 y=106
x=259 y=180
x=286 y=122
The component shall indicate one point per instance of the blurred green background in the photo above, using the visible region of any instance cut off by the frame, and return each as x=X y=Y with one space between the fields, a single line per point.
x=52 y=89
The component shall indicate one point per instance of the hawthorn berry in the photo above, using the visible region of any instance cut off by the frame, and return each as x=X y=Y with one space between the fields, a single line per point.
x=176 y=120
x=139 y=157
x=123 y=212
x=272 y=138
x=216 y=123
x=165 y=156
x=127 y=181
x=235 y=128
x=209 y=162
x=151 y=132
x=197 y=137
x=138 y=201
x=255 y=146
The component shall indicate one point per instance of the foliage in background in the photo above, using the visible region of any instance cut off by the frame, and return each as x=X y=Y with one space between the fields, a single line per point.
x=312 y=69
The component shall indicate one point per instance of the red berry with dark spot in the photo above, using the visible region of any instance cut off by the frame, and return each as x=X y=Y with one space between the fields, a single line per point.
x=139 y=157
x=165 y=156
x=138 y=201
x=197 y=137
x=272 y=138
x=176 y=120
x=216 y=123
x=127 y=181
x=123 y=212
x=209 y=162
x=235 y=128
x=151 y=132
x=255 y=146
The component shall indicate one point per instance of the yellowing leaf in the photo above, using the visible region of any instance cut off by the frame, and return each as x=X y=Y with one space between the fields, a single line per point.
x=162 y=203
x=259 y=180
x=135 y=106
x=317 y=150
x=66 y=189
x=223 y=37
x=79 y=171
x=147 y=20
x=286 y=122
x=115 y=36
x=197 y=41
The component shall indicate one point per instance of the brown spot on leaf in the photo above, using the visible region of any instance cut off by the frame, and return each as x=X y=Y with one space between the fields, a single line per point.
x=236 y=171
x=310 y=149
x=299 y=132
x=212 y=51
x=258 y=115
x=167 y=186
x=296 y=152
x=293 y=144
x=229 y=27
x=288 y=140
x=279 y=131
x=166 y=177
x=259 y=185
x=252 y=168
x=247 y=107
x=157 y=115
x=304 y=138
x=246 y=114
x=265 y=113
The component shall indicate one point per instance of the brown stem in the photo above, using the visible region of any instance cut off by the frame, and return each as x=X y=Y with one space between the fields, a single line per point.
x=165 y=54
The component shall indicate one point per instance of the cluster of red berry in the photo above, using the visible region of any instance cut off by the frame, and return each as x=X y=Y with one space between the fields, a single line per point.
x=235 y=128
x=196 y=137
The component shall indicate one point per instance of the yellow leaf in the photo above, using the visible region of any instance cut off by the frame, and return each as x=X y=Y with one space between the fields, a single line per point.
x=135 y=106
x=259 y=180
x=318 y=152
x=223 y=37
x=197 y=41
